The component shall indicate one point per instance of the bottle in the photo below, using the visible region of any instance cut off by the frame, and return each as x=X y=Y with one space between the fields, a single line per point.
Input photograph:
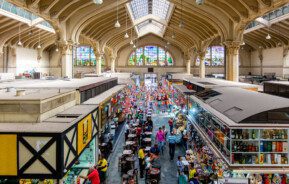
x=233 y=134
x=253 y=134
x=274 y=146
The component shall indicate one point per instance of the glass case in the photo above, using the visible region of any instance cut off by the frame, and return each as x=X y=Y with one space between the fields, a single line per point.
x=261 y=146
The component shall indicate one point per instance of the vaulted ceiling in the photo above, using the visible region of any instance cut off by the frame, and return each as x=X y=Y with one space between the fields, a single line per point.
x=223 y=20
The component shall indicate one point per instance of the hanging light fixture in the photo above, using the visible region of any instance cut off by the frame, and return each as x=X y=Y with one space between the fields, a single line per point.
x=131 y=42
x=268 y=37
x=181 y=24
x=19 y=39
x=117 y=24
x=173 y=35
x=134 y=46
x=39 y=45
x=243 y=43
x=126 y=35
x=97 y=2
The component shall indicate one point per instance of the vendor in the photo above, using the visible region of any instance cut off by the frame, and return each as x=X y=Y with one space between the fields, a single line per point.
x=92 y=176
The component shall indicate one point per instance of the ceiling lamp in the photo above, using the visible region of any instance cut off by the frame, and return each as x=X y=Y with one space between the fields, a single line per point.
x=39 y=45
x=97 y=1
x=200 y=2
x=131 y=42
x=173 y=36
x=268 y=37
x=181 y=25
x=168 y=43
x=126 y=35
x=134 y=46
x=56 y=49
x=117 y=24
x=243 y=43
x=19 y=33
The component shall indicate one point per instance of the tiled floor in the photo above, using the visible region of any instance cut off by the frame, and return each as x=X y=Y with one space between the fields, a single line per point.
x=169 y=169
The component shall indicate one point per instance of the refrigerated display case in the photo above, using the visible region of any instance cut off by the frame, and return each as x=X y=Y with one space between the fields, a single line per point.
x=247 y=129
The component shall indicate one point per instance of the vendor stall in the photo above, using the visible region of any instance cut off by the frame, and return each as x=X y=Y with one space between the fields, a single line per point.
x=249 y=138
x=48 y=149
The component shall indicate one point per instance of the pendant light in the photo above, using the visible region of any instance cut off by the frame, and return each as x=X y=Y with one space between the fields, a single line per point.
x=173 y=35
x=181 y=24
x=97 y=2
x=39 y=45
x=126 y=35
x=117 y=24
x=19 y=40
x=268 y=37
x=131 y=42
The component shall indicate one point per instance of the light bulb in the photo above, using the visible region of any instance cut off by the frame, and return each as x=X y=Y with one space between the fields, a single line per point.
x=19 y=43
x=134 y=46
x=268 y=37
x=181 y=25
x=168 y=43
x=126 y=35
x=173 y=36
x=39 y=46
x=243 y=43
x=98 y=1
x=131 y=42
x=56 y=49
x=117 y=24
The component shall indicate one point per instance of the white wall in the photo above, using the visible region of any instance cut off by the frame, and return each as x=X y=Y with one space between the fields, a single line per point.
x=273 y=62
x=26 y=60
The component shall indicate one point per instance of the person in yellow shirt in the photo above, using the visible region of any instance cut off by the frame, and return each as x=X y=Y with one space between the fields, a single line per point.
x=192 y=172
x=141 y=159
x=102 y=166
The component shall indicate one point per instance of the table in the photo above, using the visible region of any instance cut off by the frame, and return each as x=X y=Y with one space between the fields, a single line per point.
x=129 y=143
x=131 y=135
x=135 y=124
x=147 y=149
x=147 y=139
x=127 y=152
x=148 y=133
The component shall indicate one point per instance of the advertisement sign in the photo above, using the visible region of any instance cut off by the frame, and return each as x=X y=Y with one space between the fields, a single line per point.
x=84 y=131
x=233 y=181
x=8 y=155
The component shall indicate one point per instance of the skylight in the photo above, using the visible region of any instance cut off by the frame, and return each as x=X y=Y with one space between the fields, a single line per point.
x=150 y=16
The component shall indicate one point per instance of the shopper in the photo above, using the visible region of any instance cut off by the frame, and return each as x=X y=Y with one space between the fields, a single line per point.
x=171 y=124
x=180 y=165
x=172 y=145
x=155 y=149
x=102 y=168
x=141 y=159
x=160 y=137
x=138 y=133
x=192 y=172
x=92 y=176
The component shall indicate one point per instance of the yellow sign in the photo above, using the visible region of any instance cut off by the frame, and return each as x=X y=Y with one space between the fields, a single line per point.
x=84 y=131
x=8 y=155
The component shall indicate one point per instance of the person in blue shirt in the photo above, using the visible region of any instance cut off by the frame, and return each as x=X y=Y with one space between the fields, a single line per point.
x=172 y=145
x=155 y=149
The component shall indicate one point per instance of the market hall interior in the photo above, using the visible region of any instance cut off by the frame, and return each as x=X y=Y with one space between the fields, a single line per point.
x=90 y=89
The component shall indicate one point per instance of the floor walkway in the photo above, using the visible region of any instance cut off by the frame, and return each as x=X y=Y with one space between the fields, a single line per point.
x=169 y=169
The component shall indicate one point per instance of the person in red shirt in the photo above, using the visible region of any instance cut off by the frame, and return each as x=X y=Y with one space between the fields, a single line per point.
x=171 y=124
x=93 y=176
x=138 y=133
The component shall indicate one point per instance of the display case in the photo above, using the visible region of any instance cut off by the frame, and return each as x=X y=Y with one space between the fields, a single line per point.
x=240 y=144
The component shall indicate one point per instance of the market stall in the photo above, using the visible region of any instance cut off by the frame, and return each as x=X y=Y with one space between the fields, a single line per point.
x=251 y=139
x=49 y=149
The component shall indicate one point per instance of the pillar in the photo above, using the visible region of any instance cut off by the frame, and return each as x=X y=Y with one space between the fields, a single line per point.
x=188 y=66
x=260 y=55
x=232 y=60
x=112 y=64
x=66 y=60
x=98 y=64
x=202 y=68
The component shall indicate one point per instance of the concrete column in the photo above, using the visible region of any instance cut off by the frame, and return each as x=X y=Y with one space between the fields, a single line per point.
x=232 y=62
x=66 y=60
x=98 y=64
x=188 y=66
x=112 y=64
x=202 y=68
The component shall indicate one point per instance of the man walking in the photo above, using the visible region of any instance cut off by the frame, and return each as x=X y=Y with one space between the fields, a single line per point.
x=141 y=159
x=172 y=145
x=171 y=124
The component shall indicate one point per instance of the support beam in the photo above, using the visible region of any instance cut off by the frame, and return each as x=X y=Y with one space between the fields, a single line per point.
x=202 y=68
x=66 y=59
x=112 y=64
x=260 y=55
x=98 y=64
x=232 y=60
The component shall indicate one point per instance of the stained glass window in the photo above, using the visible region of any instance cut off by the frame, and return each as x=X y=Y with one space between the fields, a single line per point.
x=150 y=56
x=84 y=56
x=214 y=56
x=218 y=54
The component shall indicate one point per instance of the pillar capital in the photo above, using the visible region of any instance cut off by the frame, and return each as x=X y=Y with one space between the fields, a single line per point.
x=201 y=55
x=232 y=46
x=65 y=46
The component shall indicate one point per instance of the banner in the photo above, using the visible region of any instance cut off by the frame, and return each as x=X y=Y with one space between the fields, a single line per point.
x=84 y=133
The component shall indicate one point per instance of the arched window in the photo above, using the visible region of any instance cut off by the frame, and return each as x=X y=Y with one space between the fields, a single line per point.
x=214 y=56
x=150 y=56
x=84 y=56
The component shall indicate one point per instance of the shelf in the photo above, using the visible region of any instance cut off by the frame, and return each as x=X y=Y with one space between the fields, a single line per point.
x=245 y=152
x=245 y=140
x=274 y=140
x=274 y=152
